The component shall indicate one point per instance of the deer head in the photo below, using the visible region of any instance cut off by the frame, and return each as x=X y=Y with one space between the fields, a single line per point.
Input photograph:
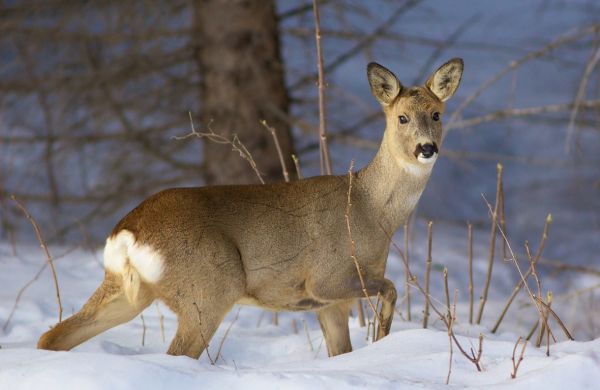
x=413 y=115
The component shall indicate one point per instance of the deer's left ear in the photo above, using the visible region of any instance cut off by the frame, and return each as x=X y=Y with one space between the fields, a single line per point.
x=444 y=81
x=385 y=86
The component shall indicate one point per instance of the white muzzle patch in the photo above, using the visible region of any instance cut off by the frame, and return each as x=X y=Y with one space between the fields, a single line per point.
x=427 y=160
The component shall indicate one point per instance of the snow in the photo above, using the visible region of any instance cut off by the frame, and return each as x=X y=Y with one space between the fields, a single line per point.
x=259 y=355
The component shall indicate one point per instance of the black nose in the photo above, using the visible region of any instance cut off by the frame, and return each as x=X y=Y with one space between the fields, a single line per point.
x=428 y=150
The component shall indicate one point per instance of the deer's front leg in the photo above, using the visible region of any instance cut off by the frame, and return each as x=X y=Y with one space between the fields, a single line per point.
x=350 y=288
x=334 y=324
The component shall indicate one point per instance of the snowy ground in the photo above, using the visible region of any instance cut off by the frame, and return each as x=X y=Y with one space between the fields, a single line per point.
x=258 y=354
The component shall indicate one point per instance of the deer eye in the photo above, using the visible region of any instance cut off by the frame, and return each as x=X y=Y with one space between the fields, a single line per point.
x=403 y=119
x=436 y=116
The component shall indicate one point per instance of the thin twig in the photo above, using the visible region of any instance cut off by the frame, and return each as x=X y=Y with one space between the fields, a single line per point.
x=297 y=165
x=325 y=160
x=237 y=315
x=310 y=344
x=44 y=247
x=202 y=334
x=539 y=303
x=367 y=40
x=446 y=290
x=516 y=364
x=533 y=329
x=143 y=330
x=451 y=320
x=273 y=132
x=592 y=29
x=28 y=284
x=533 y=263
x=557 y=318
x=407 y=279
x=235 y=143
x=510 y=301
x=427 y=272
x=473 y=357
x=593 y=61
x=470 y=260
x=353 y=245
x=519 y=113
x=494 y=215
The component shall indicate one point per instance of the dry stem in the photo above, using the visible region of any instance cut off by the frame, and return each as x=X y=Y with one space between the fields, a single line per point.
x=537 y=301
x=27 y=285
x=451 y=320
x=532 y=264
x=592 y=29
x=353 y=246
x=593 y=61
x=494 y=215
x=273 y=132
x=237 y=315
x=473 y=357
x=297 y=165
x=427 y=272
x=43 y=245
x=143 y=330
x=325 y=160
x=236 y=145
x=470 y=259
x=312 y=349
x=407 y=280
x=202 y=334
x=516 y=364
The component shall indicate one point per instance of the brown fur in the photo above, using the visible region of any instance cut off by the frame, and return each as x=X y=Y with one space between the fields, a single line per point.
x=280 y=246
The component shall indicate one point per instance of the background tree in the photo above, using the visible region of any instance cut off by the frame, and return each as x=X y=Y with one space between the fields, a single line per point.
x=242 y=85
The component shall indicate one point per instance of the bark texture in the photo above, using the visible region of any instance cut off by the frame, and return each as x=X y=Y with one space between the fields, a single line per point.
x=242 y=84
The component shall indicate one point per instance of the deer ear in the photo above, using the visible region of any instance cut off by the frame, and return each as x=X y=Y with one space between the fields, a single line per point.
x=384 y=84
x=444 y=81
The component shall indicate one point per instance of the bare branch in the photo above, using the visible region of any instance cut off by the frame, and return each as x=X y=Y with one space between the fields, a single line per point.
x=325 y=160
x=427 y=272
x=563 y=40
x=516 y=364
x=580 y=96
x=44 y=247
x=494 y=216
x=353 y=247
x=236 y=144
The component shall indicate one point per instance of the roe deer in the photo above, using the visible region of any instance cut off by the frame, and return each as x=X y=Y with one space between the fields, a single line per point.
x=281 y=246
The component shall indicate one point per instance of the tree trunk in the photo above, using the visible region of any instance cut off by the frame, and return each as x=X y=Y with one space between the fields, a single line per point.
x=242 y=83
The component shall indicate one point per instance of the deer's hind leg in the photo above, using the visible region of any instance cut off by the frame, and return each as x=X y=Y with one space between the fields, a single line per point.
x=196 y=325
x=106 y=308
x=201 y=292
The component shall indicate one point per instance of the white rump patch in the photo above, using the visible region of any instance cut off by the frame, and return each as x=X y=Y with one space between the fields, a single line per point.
x=122 y=252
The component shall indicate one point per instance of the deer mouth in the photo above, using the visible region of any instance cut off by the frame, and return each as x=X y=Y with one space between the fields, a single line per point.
x=426 y=153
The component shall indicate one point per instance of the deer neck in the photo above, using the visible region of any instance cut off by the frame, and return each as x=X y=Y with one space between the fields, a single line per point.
x=391 y=186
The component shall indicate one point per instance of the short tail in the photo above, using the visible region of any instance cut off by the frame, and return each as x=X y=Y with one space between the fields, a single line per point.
x=131 y=282
x=135 y=262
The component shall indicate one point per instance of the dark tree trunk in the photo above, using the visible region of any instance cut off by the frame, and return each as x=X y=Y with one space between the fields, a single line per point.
x=242 y=83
